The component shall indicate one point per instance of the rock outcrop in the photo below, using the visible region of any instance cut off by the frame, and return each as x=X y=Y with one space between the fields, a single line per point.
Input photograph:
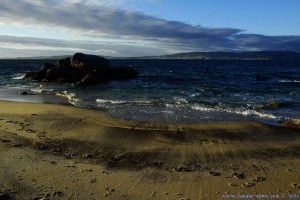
x=89 y=63
x=81 y=69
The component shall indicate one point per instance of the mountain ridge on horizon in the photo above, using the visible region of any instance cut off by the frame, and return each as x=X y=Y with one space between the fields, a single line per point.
x=257 y=55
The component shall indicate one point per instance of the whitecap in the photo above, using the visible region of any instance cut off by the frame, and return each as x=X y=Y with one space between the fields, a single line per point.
x=289 y=81
x=255 y=113
x=181 y=101
x=69 y=96
x=202 y=108
x=248 y=112
x=18 y=77
x=195 y=95
x=108 y=101
x=41 y=90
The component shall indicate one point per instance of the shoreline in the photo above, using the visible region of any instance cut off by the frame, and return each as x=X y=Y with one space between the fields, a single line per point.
x=162 y=114
x=56 y=151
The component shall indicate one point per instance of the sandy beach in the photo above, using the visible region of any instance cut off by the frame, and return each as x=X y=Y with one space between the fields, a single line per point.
x=63 y=152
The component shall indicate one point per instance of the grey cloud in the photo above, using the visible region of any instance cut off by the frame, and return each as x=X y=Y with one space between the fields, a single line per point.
x=100 y=19
x=262 y=42
x=102 y=22
x=53 y=46
x=33 y=41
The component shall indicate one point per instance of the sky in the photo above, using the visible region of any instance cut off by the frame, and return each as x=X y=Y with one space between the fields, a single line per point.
x=146 y=27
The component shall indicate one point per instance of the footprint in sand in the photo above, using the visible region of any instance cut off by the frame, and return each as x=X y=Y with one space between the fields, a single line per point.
x=109 y=191
x=295 y=185
x=214 y=173
x=4 y=141
x=238 y=175
x=259 y=179
x=182 y=169
x=248 y=184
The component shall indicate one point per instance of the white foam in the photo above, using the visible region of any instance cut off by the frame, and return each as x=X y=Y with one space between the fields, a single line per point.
x=195 y=95
x=255 y=113
x=18 y=77
x=69 y=96
x=180 y=101
x=41 y=90
x=289 y=81
x=247 y=112
x=202 y=108
x=108 y=101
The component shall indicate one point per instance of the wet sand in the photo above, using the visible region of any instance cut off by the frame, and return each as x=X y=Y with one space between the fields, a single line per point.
x=63 y=152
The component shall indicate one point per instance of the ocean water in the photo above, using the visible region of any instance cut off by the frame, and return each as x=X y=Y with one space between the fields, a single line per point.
x=177 y=91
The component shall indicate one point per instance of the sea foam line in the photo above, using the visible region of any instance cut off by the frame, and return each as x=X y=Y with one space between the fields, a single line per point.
x=247 y=112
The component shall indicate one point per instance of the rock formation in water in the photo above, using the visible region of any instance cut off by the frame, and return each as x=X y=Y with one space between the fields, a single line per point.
x=81 y=69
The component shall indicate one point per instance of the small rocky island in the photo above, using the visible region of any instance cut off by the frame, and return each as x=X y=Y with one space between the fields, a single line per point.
x=81 y=69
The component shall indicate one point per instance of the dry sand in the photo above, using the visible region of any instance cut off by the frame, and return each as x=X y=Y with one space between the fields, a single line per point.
x=63 y=152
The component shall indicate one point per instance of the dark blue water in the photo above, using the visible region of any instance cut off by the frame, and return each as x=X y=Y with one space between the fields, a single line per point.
x=178 y=90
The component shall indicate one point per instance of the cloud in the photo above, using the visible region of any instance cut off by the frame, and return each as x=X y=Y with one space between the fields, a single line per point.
x=42 y=46
x=101 y=20
x=262 y=42
x=112 y=30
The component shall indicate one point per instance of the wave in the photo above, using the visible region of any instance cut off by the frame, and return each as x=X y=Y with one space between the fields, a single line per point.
x=108 y=101
x=42 y=90
x=256 y=114
x=18 y=76
x=289 y=81
x=69 y=96
x=74 y=100
x=180 y=101
x=247 y=113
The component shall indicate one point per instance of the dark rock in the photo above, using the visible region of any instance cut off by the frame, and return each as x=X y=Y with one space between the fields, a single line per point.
x=91 y=78
x=89 y=63
x=35 y=75
x=56 y=73
x=81 y=69
x=46 y=66
x=123 y=73
x=29 y=75
x=67 y=80
x=65 y=62
x=6 y=196
x=23 y=93
x=40 y=75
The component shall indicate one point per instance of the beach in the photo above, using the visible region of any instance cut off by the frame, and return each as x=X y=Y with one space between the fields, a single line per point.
x=51 y=151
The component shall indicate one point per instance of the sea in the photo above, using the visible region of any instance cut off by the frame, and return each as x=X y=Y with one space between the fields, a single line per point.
x=173 y=90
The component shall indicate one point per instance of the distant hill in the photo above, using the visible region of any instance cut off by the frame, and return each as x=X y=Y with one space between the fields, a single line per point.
x=44 y=57
x=251 y=55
